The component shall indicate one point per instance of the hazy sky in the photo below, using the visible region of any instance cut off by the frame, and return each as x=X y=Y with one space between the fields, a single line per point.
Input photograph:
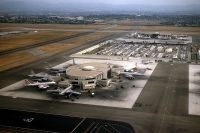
x=153 y=2
x=118 y=2
x=100 y=5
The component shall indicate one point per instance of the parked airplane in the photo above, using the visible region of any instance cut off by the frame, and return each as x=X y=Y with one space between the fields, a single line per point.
x=67 y=92
x=131 y=77
x=146 y=62
x=136 y=67
x=57 y=70
x=133 y=73
x=40 y=77
x=41 y=85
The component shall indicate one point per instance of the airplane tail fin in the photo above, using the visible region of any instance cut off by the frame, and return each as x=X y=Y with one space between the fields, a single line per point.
x=27 y=82
x=32 y=72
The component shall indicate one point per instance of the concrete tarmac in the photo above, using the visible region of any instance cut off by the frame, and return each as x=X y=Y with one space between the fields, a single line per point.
x=163 y=105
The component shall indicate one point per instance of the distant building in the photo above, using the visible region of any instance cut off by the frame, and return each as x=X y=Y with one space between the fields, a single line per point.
x=199 y=54
x=80 y=18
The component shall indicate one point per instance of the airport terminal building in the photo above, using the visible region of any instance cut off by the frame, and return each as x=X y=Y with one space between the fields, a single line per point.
x=86 y=75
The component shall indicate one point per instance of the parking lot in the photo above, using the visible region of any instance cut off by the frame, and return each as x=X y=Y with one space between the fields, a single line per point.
x=144 y=50
x=156 y=46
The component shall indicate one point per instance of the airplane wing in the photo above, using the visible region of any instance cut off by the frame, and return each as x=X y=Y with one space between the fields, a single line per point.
x=132 y=73
x=137 y=74
x=43 y=86
x=67 y=90
x=75 y=92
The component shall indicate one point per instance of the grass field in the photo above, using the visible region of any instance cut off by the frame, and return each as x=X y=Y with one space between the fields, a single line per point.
x=72 y=43
x=121 y=25
x=134 y=22
x=170 y=29
x=20 y=58
x=151 y=28
x=51 y=26
x=16 y=59
x=20 y=40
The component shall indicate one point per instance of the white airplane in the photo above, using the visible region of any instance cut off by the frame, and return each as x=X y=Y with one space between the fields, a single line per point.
x=41 y=85
x=132 y=73
x=68 y=92
x=136 y=67
x=39 y=77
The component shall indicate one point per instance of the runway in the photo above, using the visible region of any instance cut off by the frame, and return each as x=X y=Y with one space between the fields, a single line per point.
x=166 y=89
